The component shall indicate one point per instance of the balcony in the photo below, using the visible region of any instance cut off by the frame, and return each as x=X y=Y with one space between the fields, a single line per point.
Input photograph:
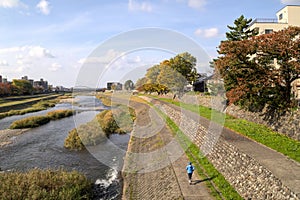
x=266 y=20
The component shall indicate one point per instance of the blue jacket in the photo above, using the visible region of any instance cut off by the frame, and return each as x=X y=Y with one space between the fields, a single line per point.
x=190 y=169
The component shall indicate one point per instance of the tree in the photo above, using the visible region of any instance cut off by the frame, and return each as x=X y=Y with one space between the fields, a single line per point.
x=240 y=30
x=5 y=89
x=185 y=64
x=22 y=87
x=252 y=79
x=129 y=85
x=171 y=78
x=152 y=74
x=140 y=82
x=284 y=47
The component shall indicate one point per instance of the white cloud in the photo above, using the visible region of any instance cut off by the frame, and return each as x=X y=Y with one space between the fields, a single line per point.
x=10 y=50
x=54 y=67
x=39 y=52
x=105 y=59
x=290 y=2
x=32 y=51
x=196 y=4
x=24 y=57
x=134 y=5
x=44 y=7
x=11 y=3
x=3 y=63
x=207 y=33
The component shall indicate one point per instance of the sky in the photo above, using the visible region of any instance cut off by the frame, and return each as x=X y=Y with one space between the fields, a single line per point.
x=88 y=43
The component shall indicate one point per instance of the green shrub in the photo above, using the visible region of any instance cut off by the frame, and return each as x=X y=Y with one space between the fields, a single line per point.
x=73 y=141
x=30 y=122
x=108 y=123
x=44 y=184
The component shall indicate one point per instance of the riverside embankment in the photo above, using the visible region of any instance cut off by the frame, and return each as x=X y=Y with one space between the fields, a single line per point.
x=255 y=171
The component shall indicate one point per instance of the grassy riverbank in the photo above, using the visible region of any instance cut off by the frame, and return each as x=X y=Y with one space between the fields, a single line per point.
x=24 y=102
x=23 y=105
x=44 y=184
x=257 y=132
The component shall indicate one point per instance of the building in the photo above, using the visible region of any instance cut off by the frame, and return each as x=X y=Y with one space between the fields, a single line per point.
x=114 y=86
x=287 y=16
x=43 y=85
x=26 y=78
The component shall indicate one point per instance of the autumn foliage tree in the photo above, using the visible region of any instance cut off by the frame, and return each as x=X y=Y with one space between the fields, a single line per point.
x=258 y=72
x=5 y=89
x=170 y=75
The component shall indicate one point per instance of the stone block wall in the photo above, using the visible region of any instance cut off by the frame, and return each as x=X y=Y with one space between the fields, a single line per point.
x=246 y=175
x=287 y=124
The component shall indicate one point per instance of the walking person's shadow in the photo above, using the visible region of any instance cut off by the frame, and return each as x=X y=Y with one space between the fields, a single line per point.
x=195 y=182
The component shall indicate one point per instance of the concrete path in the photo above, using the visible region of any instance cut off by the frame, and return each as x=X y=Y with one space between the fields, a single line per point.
x=287 y=170
x=169 y=179
x=197 y=190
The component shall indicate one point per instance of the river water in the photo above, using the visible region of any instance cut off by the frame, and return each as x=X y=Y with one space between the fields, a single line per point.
x=43 y=148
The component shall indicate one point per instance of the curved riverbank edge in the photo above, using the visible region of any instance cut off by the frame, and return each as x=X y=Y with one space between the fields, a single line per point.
x=8 y=136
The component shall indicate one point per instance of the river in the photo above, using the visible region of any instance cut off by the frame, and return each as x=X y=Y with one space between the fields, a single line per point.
x=43 y=148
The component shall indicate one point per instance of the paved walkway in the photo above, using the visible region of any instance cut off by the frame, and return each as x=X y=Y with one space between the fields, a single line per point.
x=155 y=164
x=287 y=170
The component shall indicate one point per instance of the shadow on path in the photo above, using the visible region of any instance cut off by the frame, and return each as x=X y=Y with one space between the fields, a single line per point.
x=195 y=182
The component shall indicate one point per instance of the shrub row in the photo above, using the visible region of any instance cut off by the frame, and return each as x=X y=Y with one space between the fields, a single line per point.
x=35 y=121
x=44 y=184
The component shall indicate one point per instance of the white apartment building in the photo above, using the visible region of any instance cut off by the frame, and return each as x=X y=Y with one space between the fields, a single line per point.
x=287 y=16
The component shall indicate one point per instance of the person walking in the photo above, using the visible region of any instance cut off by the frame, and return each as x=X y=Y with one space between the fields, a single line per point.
x=190 y=169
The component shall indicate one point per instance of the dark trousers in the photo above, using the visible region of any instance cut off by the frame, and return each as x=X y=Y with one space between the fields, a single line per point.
x=190 y=175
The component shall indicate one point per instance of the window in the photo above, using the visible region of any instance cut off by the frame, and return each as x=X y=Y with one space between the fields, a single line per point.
x=268 y=31
x=280 y=16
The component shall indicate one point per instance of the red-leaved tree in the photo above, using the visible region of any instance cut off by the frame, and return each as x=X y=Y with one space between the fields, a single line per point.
x=258 y=71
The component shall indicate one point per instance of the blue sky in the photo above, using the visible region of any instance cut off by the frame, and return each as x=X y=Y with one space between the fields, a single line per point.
x=52 y=39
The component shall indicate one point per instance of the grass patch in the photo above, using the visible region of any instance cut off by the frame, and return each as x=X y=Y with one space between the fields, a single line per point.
x=45 y=184
x=59 y=114
x=257 y=132
x=105 y=99
x=36 y=121
x=30 y=122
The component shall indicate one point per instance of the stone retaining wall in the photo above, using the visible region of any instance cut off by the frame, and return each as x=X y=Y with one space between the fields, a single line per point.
x=287 y=124
x=249 y=178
